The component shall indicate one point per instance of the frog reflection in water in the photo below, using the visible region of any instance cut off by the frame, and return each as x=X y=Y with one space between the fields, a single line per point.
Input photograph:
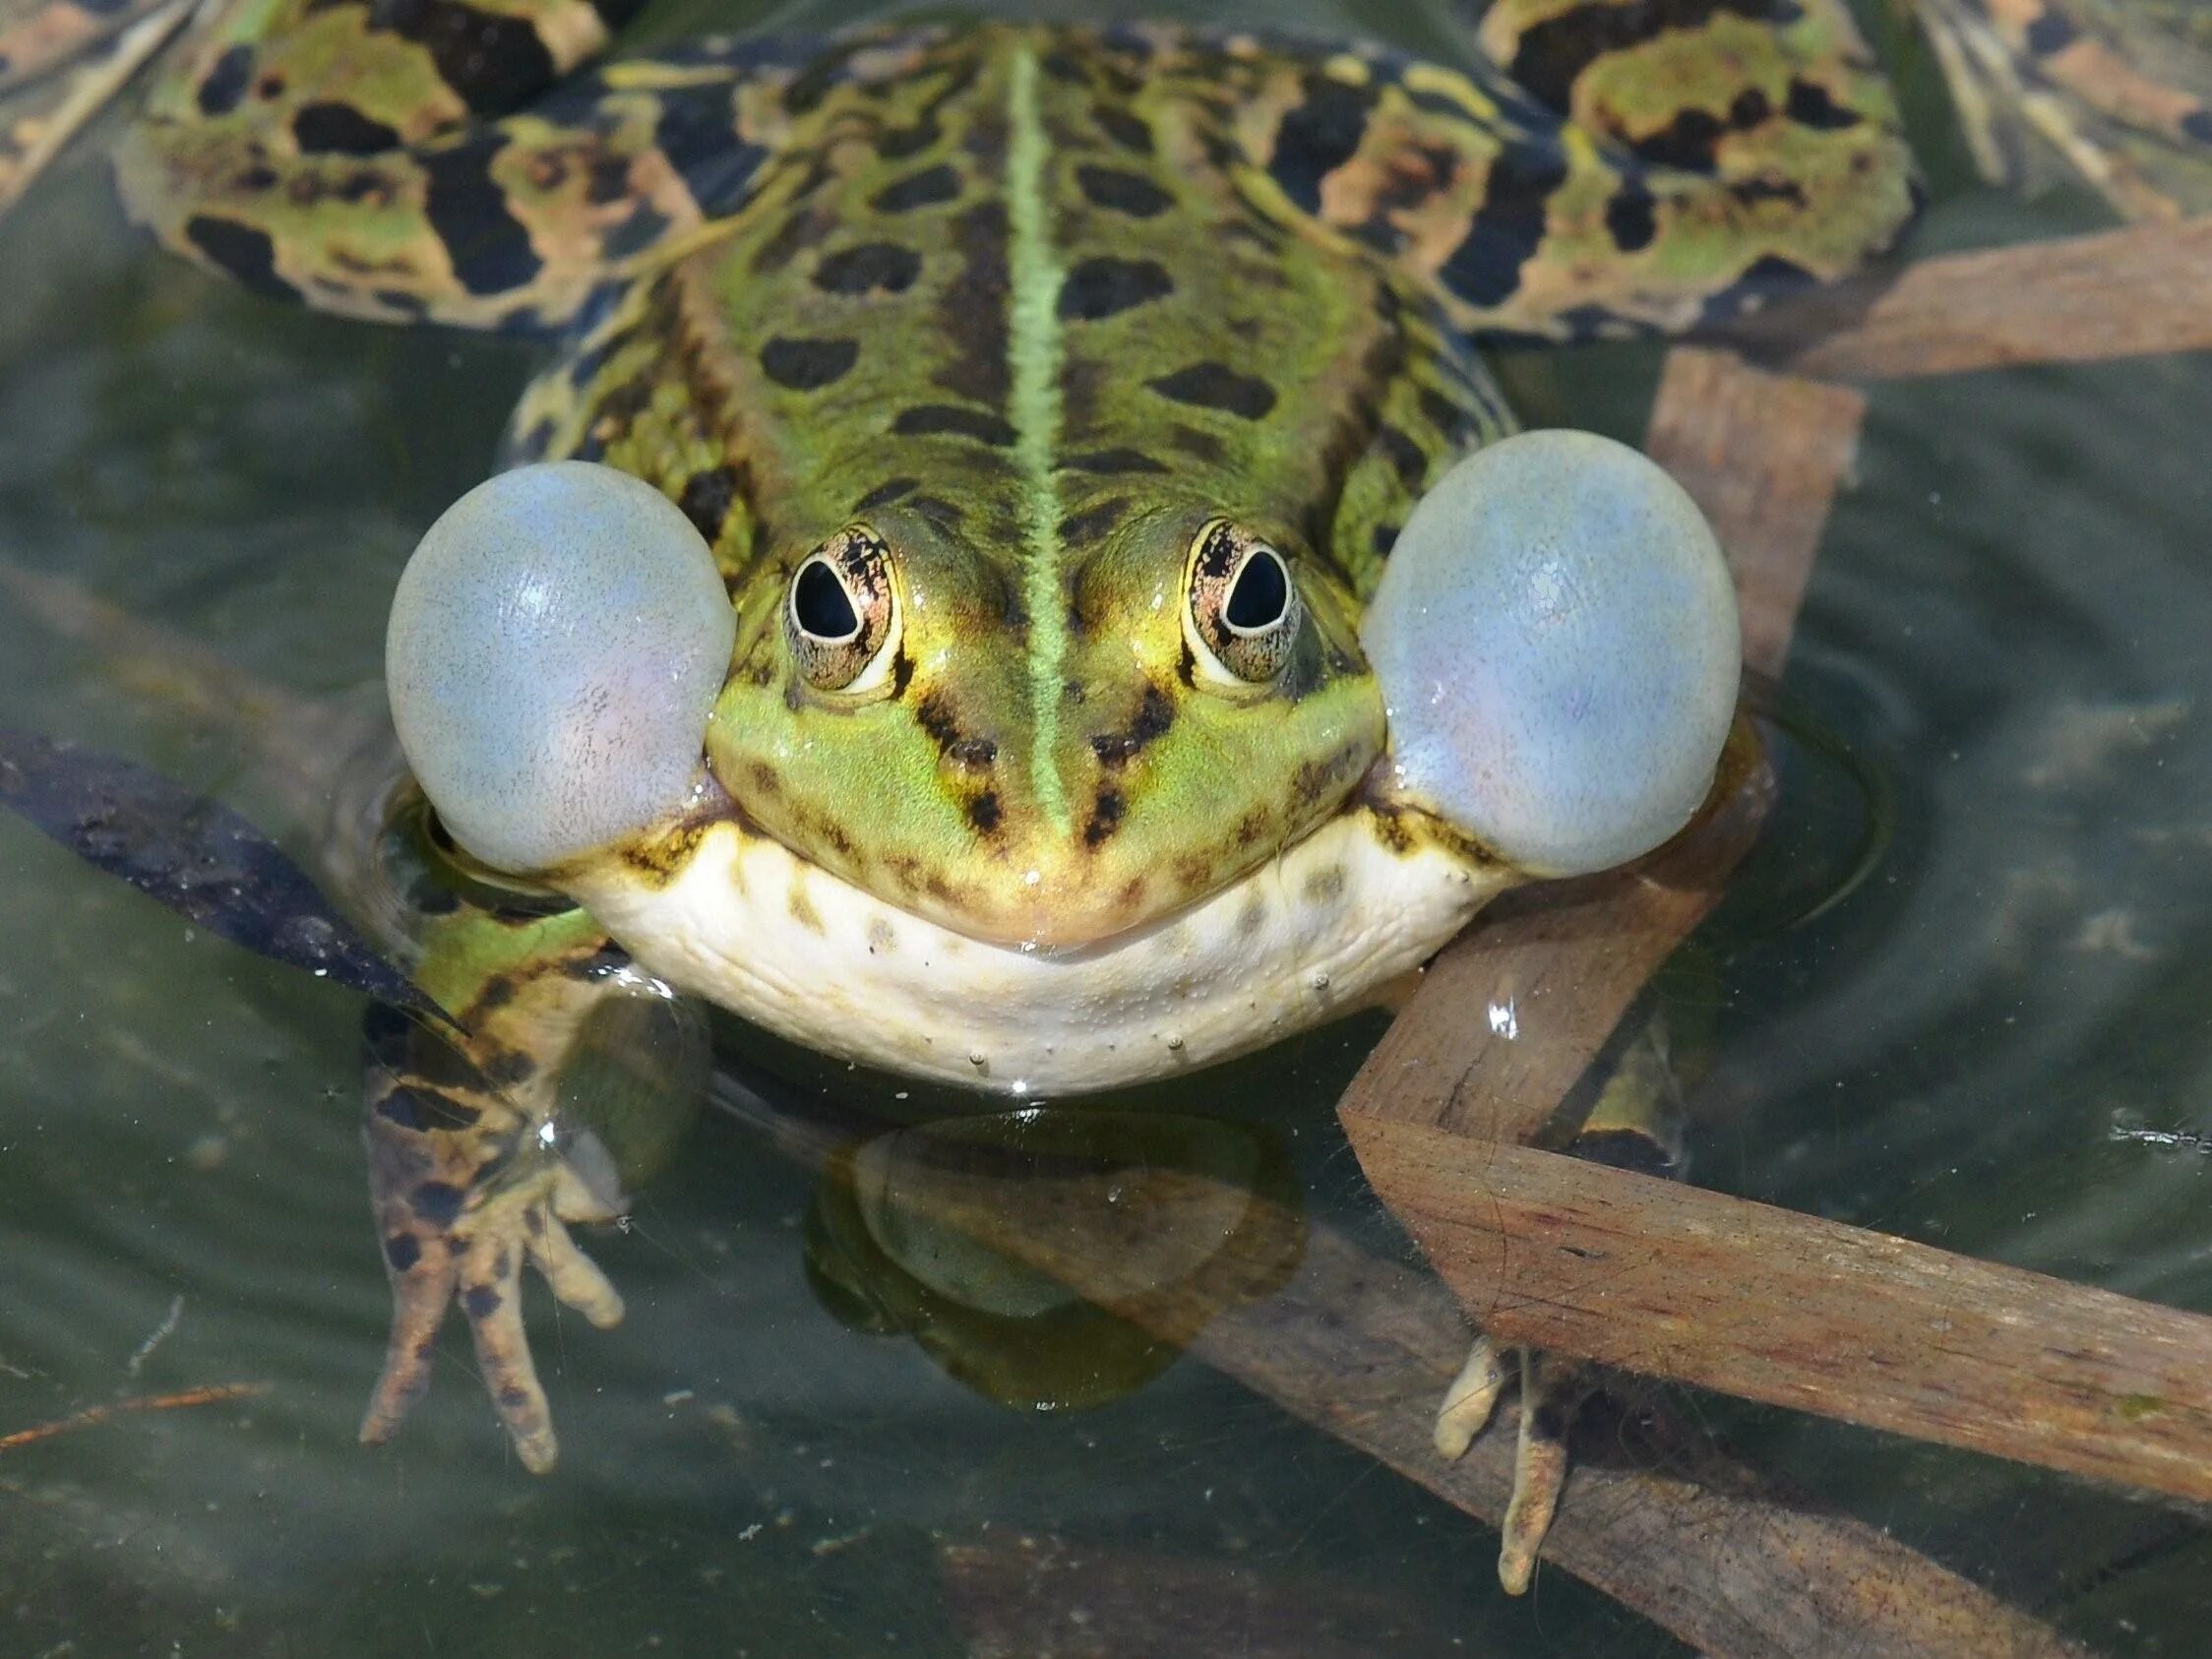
x=1052 y=1259
x=1050 y=603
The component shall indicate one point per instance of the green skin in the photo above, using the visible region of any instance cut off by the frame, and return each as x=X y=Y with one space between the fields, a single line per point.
x=1035 y=311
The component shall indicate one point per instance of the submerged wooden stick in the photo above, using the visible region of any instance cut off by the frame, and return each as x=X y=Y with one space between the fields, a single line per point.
x=1362 y=1348
x=93 y=1416
x=1511 y=1016
x=2117 y=294
x=1672 y=1280
x=1677 y=1282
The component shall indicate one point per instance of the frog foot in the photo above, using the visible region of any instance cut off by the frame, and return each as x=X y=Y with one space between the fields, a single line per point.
x=1552 y=1390
x=459 y=1219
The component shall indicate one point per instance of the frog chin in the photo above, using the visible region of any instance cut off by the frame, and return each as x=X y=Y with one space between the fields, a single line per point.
x=733 y=915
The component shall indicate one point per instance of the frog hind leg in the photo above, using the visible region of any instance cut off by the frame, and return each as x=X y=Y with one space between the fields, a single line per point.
x=1593 y=170
x=1636 y=1123
x=2121 y=91
x=477 y=1167
x=403 y=162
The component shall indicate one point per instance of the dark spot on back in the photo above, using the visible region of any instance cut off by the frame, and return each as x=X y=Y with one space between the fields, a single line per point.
x=883 y=495
x=871 y=267
x=808 y=365
x=923 y=420
x=1216 y=385
x=983 y=812
x=1100 y=287
x=1122 y=191
x=1078 y=528
x=1125 y=127
x=1200 y=446
x=927 y=188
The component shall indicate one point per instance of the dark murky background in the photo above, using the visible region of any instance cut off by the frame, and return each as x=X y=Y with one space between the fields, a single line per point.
x=1998 y=1044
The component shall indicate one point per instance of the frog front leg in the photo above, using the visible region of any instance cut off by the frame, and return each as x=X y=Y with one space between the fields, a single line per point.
x=1637 y=1124
x=1557 y=638
x=481 y=1154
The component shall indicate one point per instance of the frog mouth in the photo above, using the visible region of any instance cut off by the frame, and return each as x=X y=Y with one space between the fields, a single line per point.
x=722 y=910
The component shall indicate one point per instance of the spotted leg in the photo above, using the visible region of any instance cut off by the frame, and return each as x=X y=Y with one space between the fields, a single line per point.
x=1597 y=167
x=399 y=160
x=481 y=1158
x=2119 y=89
x=1636 y=1123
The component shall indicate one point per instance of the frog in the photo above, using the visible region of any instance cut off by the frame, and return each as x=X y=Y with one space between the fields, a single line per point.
x=983 y=587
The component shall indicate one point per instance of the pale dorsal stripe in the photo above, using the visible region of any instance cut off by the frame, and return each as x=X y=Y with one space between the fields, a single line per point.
x=1034 y=341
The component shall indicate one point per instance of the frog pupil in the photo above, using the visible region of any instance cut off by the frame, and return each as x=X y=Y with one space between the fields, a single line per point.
x=1261 y=595
x=821 y=605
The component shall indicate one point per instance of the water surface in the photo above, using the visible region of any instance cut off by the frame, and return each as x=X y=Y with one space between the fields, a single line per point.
x=1998 y=1044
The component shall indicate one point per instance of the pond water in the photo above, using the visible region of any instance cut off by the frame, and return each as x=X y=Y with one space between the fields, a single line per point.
x=1997 y=1043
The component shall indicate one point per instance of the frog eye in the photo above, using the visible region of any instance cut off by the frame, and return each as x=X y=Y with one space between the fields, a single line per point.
x=842 y=616
x=556 y=645
x=1556 y=640
x=1245 y=611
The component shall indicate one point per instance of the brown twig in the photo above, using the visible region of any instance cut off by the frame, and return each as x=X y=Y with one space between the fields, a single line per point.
x=1675 y=1281
x=1362 y=1348
x=2117 y=294
x=1763 y=456
x=93 y=1416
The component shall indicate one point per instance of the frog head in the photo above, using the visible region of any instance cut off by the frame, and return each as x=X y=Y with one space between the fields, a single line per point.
x=1050 y=753
x=1053 y=763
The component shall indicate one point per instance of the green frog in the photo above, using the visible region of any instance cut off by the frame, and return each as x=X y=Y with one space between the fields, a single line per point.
x=1005 y=579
